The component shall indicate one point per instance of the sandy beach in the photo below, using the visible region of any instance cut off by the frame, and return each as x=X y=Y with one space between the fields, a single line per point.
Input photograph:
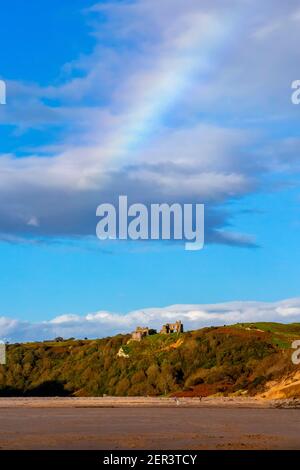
x=148 y=423
x=133 y=402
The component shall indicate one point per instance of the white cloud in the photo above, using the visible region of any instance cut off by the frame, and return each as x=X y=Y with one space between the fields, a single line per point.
x=102 y=323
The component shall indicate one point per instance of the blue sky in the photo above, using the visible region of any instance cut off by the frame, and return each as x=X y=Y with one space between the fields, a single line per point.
x=173 y=102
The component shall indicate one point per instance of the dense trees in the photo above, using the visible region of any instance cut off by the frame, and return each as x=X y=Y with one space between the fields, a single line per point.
x=210 y=360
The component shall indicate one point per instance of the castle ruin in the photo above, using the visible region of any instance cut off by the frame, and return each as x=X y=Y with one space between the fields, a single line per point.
x=167 y=329
x=141 y=332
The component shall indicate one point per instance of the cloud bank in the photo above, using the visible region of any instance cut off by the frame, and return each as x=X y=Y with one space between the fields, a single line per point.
x=102 y=323
x=177 y=110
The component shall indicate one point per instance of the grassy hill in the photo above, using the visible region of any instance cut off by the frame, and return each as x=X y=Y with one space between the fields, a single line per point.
x=238 y=359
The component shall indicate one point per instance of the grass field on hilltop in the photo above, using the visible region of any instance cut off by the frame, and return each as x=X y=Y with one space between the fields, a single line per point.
x=282 y=335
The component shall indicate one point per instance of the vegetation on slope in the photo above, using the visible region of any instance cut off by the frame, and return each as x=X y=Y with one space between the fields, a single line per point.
x=239 y=359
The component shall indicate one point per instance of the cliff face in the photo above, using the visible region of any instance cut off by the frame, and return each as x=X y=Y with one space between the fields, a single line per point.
x=286 y=387
x=243 y=359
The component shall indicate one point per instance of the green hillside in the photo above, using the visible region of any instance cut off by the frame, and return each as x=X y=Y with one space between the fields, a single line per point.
x=238 y=359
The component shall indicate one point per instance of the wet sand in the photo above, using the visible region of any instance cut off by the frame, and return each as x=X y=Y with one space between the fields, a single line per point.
x=67 y=423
